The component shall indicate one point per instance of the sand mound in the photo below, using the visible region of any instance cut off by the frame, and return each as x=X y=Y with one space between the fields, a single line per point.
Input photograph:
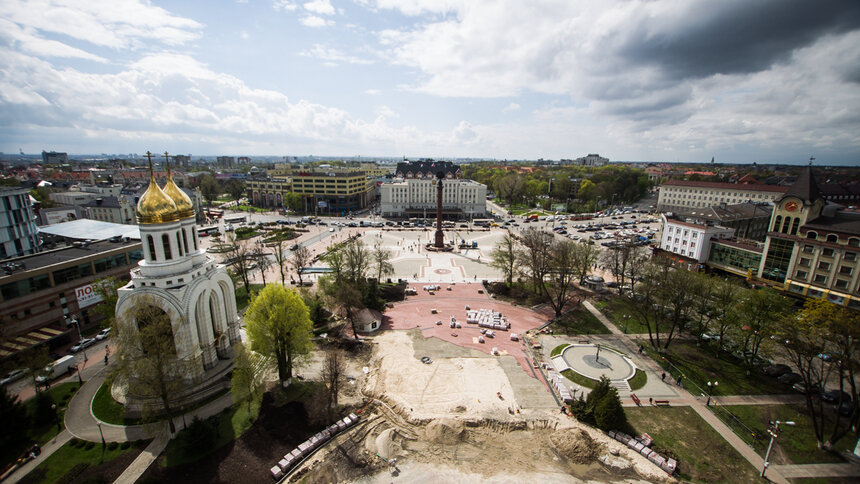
x=576 y=445
x=445 y=431
x=386 y=445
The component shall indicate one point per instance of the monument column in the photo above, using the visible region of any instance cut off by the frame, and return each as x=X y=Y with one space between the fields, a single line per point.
x=440 y=237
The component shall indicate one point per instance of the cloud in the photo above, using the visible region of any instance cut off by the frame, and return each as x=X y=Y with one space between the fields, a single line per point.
x=373 y=92
x=285 y=5
x=333 y=56
x=511 y=107
x=315 y=21
x=320 y=7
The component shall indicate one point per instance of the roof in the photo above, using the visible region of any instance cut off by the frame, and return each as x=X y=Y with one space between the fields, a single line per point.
x=424 y=167
x=106 y=202
x=727 y=186
x=845 y=223
x=805 y=187
x=58 y=256
x=86 y=229
x=741 y=245
x=748 y=178
x=731 y=212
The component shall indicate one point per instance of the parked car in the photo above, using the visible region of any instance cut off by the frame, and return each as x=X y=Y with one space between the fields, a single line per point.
x=776 y=370
x=426 y=360
x=12 y=376
x=103 y=334
x=789 y=378
x=801 y=387
x=84 y=343
x=832 y=396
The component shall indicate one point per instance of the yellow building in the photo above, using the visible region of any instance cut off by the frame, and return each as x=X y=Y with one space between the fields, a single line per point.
x=330 y=192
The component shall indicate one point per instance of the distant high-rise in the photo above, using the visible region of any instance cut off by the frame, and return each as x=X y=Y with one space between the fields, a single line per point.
x=226 y=161
x=54 y=157
x=18 y=232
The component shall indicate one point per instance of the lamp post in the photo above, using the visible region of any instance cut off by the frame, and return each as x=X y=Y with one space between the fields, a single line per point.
x=711 y=387
x=73 y=321
x=56 y=415
x=101 y=433
x=774 y=434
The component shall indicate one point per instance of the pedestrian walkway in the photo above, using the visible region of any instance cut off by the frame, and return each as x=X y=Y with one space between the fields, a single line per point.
x=686 y=398
x=806 y=471
x=139 y=465
x=47 y=449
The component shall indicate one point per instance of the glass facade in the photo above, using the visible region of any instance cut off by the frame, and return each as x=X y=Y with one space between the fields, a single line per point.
x=734 y=257
x=777 y=260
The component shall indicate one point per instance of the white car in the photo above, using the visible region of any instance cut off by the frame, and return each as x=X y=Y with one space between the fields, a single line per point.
x=12 y=376
x=84 y=343
x=103 y=334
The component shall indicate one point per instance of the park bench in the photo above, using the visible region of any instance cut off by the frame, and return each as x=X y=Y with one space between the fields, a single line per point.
x=636 y=399
x=661 y=403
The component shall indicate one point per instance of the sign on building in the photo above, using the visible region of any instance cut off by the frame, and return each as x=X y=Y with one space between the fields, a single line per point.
x=322 y=204
x=87 y=295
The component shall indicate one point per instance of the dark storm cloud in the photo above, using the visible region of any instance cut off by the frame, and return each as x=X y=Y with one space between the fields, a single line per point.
x=735 y=37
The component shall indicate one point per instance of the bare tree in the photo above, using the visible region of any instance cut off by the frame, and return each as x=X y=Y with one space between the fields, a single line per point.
x=261 y=257
x=281 y=254
x=238 y=255
x=561 y=275
x=334 y=367
x=300 y=259
x=504 y=257
x=246 y=381
x=381 y=261
x=585 y=255
x=356 y=261
x=534 y=257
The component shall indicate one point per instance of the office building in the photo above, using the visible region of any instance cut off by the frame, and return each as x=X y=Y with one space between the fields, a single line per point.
x=18 y=231
x=413 y=192
x=682 y=195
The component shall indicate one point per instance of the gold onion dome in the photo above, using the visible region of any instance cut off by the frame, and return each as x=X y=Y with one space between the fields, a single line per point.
x=155 y=207
x=184 y=207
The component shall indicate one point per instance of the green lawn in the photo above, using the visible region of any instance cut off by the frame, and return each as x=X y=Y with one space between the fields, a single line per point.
x=579 y=321
x=702 y=454
x=558 y=349
x=60 y=395
x=106 y=409
x=246 y=208
x=69 y=461
x=795 y=444
x=242 y=299
x=640 y=378
x=615 y=311
x=700 y=365
x=579 y=379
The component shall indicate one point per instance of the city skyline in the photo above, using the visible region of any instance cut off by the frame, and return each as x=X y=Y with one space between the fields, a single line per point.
x=770 y=82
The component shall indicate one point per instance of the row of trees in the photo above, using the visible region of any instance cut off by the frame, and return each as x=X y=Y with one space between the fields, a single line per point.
x=551 y=265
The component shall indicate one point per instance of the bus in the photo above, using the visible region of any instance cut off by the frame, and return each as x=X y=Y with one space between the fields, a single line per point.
x=235 y=219
x=482 y=222
x=207 y=231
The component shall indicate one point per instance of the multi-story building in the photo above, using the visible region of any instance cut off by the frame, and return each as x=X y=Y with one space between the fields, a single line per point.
x=813 y=247
x=413 y=193
x=18 y=231
x=116 y=210
x=592 y=159
x=38 y=292
x=750 y=220
x=689 y=240
x=181 y=160
x=682 y=195
x=225 y=161
x=244 y=160
x=54 y=157
x=127 y=177
x=330 y=192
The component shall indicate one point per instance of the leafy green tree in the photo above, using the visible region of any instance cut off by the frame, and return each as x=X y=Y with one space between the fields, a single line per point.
x=278 y=326
x=209 y=188
x=14 y=422
x=293 y=201
x=235 y=188
x=246 y=381
x=107 y=288
x=757 y=317
x=43 y=195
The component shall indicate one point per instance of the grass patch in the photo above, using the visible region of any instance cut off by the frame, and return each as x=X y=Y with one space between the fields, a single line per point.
x=702 y=454
x=242 y=298
x=249 y=208
x=579 y=379
x=579 y=321
x=639 y=380
x=47 y=430
x=797 y=444
x=558 y=349
x=615 y=310
x=70 y=461
x=106 y=409
x=699 y=365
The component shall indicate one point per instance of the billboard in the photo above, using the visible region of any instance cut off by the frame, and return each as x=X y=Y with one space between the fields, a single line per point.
x=322 y=204
x=87 y=295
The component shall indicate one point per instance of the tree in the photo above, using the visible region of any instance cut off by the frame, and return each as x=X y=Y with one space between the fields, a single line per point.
x=238 y=255
x=209 y=189
x=35 y=360
x=356 y=261
x=584 y=257
x=625 y=262
x=246 y=381
x=504 y=257
x=278 y=326
x=757 y=316
x=43 y=195
x=261 y=257
x=281 y=253
x=334 y=367
x=511 y=187
x=561 y=275
x=107 y=289
x=300 y=259
x=534 y=257
x=345 y=298
x=381 y=258
x=14 y=422
x=293 y=201
x=235 y=188
x=147 y=359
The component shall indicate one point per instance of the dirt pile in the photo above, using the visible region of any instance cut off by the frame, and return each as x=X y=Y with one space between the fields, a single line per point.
x=576 y=445
x=445 y=431
x=387 y=446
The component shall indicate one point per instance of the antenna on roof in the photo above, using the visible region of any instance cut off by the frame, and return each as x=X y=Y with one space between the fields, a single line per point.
x=811 y=159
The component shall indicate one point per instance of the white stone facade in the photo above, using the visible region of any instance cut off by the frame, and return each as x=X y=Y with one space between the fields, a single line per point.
x=463 y=198
x=692 y=241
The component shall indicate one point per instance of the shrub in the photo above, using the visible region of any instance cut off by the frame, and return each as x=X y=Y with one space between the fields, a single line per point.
x=125 y=445
x=112 y=445
x=89 y=445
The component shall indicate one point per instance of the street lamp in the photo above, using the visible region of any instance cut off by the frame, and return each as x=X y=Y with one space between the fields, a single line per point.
x=774 y=434
x=101 y=433
x=73 y=321
x=56 y=415
x=711 y=387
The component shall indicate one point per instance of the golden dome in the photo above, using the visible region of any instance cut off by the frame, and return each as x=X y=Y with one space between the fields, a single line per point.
x=184 y=207
x=155 y=207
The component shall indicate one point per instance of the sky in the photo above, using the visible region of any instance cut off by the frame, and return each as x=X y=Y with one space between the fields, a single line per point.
x=768 y=81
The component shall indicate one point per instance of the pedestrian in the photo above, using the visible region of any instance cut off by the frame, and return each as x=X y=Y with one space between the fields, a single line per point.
x=106 y=360
x=650 y=400
x=679 y=379
x=663 y=376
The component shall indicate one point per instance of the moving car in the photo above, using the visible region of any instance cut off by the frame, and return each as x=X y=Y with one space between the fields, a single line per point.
x=103 y=334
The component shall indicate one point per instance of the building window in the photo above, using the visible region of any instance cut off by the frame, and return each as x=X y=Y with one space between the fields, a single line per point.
x=820 y=279
x=805 y=261
x=178 y=244
x=850 y=256
x=165 y=244
x=802 y=275
x=854 y=242
x=841 y=284
x=833 y=238
x=824 y=266
x=846 y=270
x=151 y=244
x=827 y=252
x=808 y=249
x=777 y=222
x=811 y=235
x=795 y=225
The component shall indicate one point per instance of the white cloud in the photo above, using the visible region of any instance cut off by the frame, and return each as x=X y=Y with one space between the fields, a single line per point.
x=321 y=7
x=511 y=107
x=333 y=56
x=315 y=21
x=285 y=5
x=373 y=92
